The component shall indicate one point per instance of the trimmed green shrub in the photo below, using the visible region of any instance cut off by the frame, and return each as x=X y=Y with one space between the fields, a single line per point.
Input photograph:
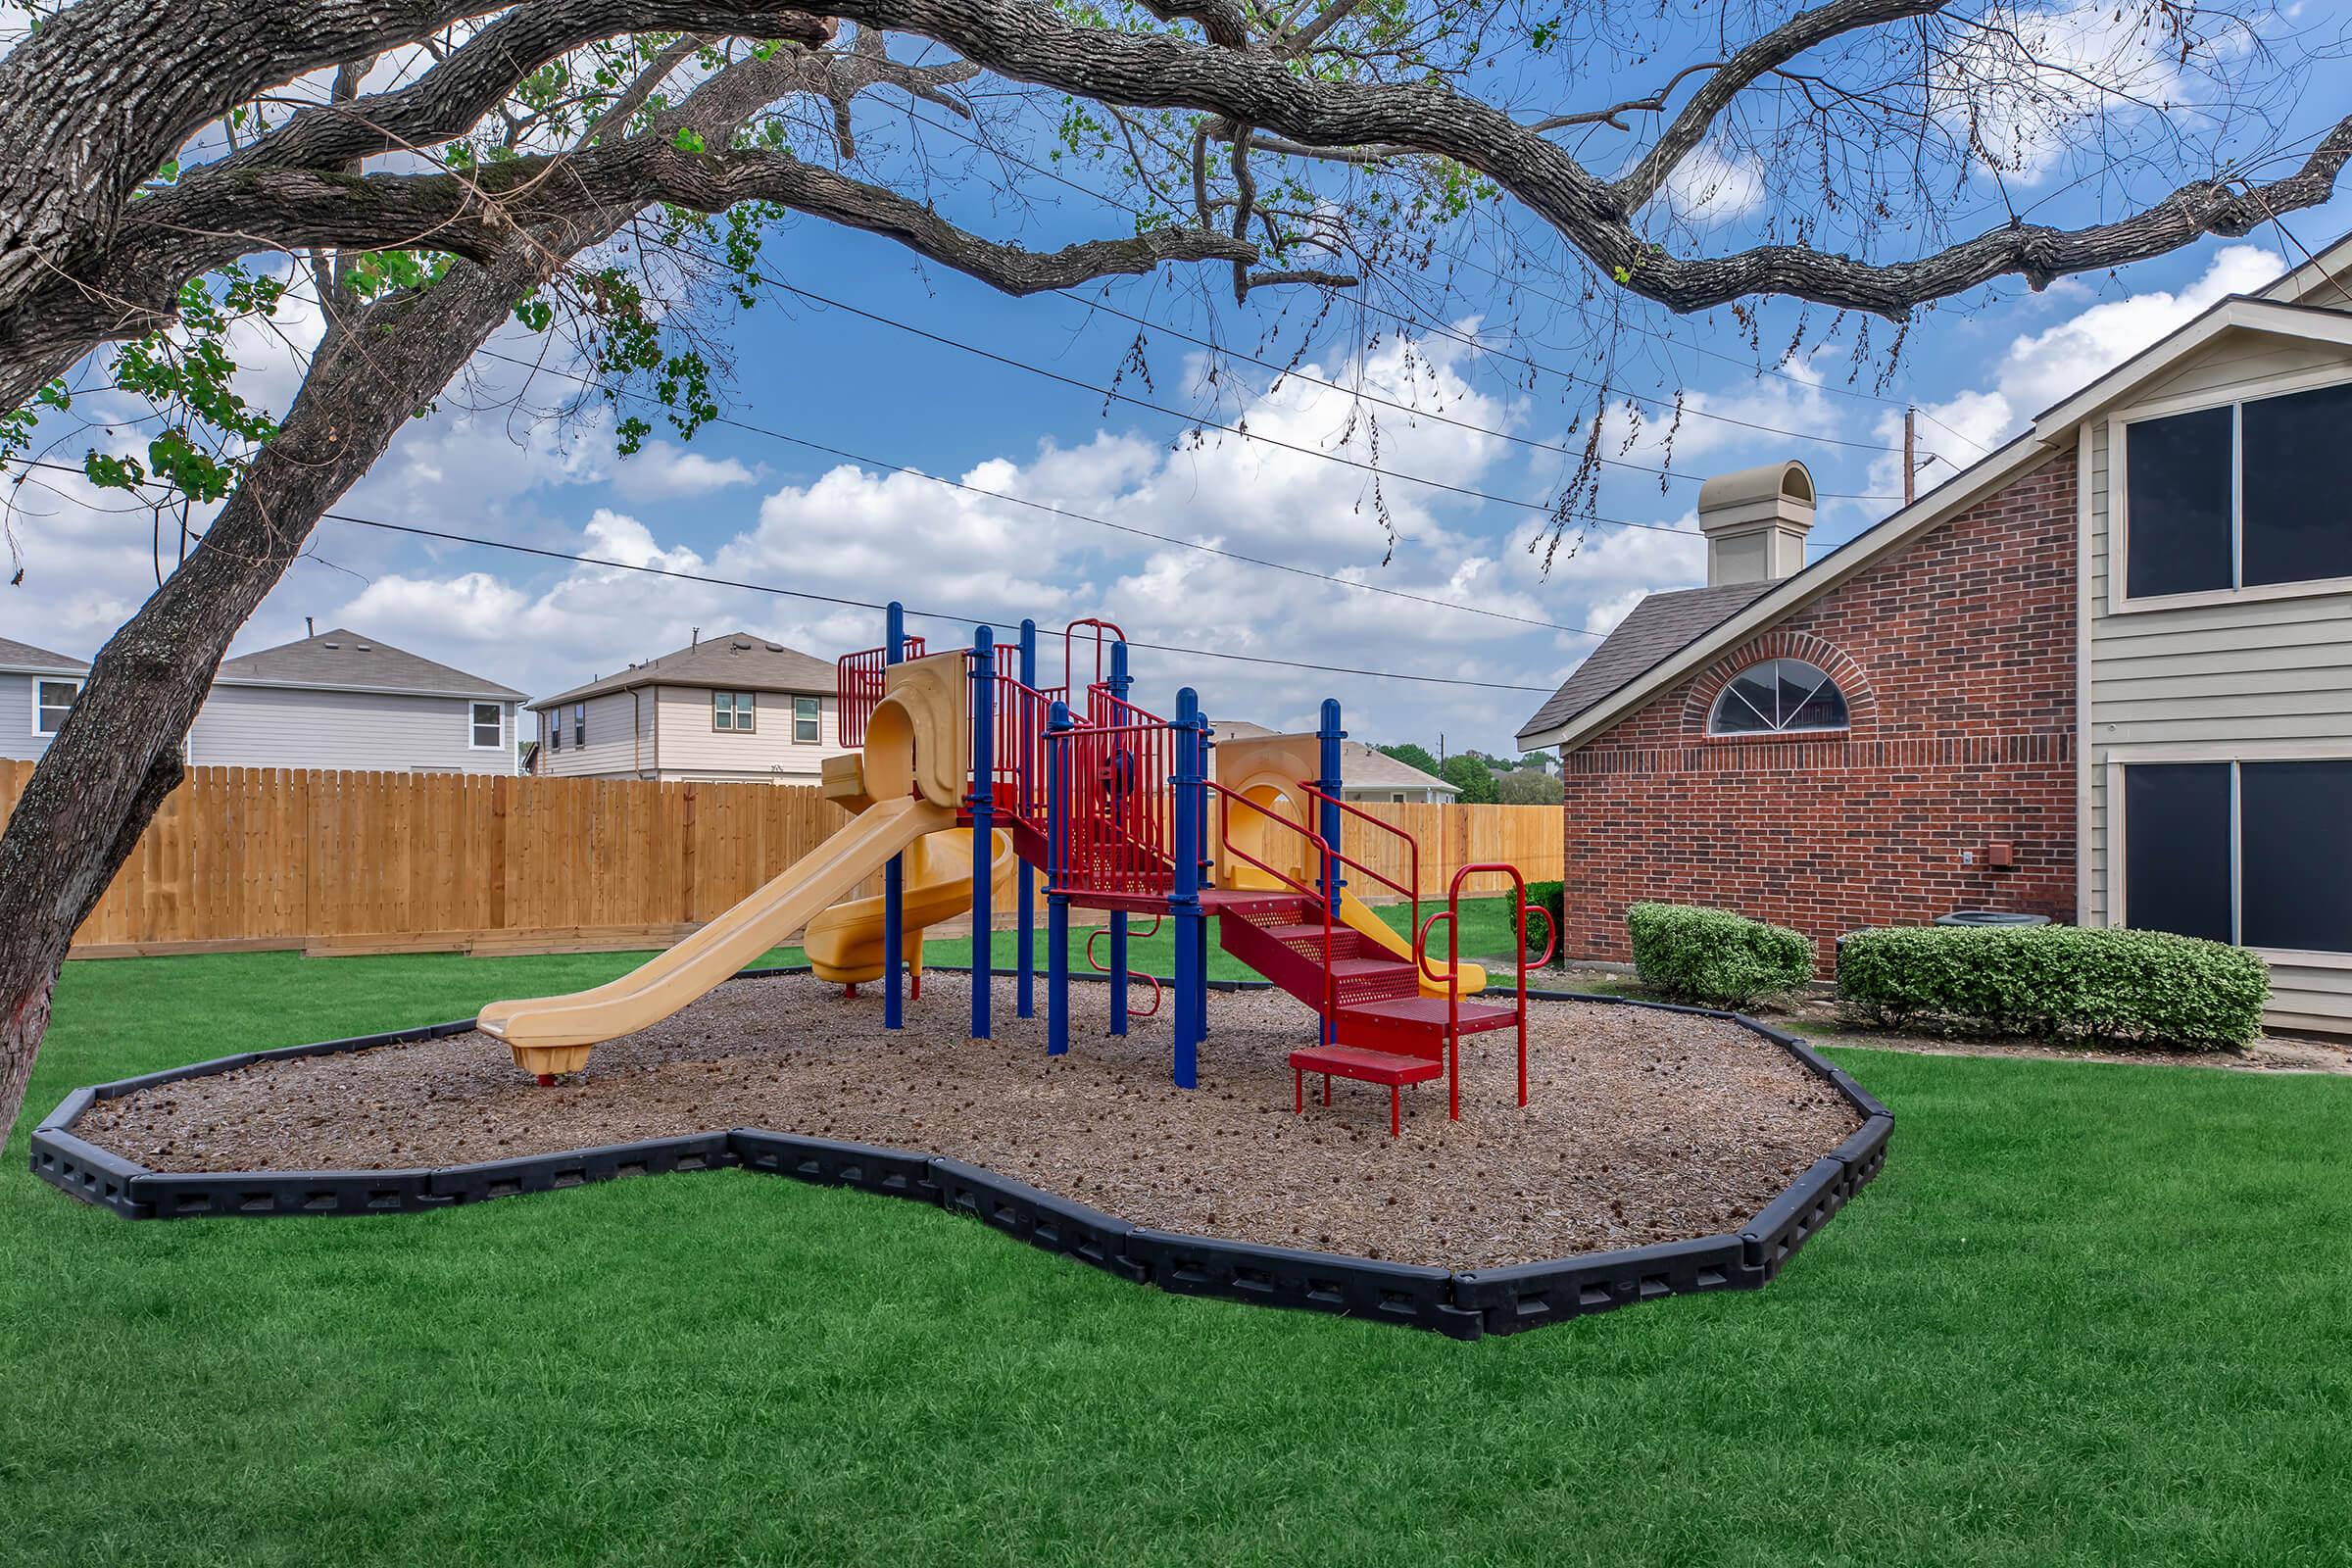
x=1714 y=956
x=1552 y=897
x=2057 y=980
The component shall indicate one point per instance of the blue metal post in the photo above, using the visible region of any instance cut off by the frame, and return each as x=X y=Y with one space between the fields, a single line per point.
x=1184 y=902
x=1058 y=903
x=984 y=810
x=1328 y=735
x=893 y=876
x=1025 y=879
x=1121 y=683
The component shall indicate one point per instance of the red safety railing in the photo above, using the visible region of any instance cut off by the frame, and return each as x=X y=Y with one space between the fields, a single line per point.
x=1102 y=633
x=857 y=689
x=1017 y=755
x=1119 y=829
x=1452 y=915
x=1227 y=801
x=1412 y=852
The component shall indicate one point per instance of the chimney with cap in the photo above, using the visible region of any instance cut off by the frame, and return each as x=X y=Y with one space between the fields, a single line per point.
x=1755 y=522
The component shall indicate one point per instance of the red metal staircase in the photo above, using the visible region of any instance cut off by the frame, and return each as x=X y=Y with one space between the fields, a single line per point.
x=1381 y=1029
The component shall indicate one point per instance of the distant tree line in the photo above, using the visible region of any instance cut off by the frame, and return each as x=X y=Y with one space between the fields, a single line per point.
x=1484 y=779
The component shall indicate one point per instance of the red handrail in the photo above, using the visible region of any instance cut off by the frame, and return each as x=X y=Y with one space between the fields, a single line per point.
x=1412 y=845
x=1452 y=915
x=1226 y=846
x=1119 y=834
x=1069 y=637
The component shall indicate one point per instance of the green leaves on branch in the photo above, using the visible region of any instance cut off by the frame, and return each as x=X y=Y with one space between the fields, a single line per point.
x=372 y=273
x=188 y=374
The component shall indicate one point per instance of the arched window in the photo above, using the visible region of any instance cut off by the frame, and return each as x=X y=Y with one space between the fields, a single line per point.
x=1779 y=696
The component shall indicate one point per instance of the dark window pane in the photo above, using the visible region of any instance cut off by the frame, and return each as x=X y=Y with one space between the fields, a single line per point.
x=2177 y=847
x=2299 y=487
x=1748 y=704
x=2177 y=506
x=2295 y=877
x=1809 y=699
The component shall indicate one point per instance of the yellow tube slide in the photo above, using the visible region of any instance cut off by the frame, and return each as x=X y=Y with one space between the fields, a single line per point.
x=845 y=943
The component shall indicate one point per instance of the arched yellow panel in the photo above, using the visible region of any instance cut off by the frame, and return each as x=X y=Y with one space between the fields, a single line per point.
x=917 y=741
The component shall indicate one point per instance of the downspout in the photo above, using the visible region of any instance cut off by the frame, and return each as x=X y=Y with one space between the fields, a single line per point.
x=636 y=752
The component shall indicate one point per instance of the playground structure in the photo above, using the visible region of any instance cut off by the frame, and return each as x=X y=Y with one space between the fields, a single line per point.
x=969 y=777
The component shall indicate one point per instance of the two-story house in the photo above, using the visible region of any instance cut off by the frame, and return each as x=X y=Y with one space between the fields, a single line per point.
x=735 y=706
x=338 y=700
x=2102 y=675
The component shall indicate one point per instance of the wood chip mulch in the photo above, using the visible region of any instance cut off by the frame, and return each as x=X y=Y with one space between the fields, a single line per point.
x=1641 y=1126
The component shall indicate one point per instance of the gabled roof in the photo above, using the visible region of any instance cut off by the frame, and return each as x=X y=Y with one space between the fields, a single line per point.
x=1658 y=625
x=741 y=661
x=1362 y=766
x=343 y=660
x=2329 y=270
x=2273 y=311
x=22 y=659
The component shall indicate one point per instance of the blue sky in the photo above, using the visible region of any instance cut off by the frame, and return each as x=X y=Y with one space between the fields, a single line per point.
x=741 y=505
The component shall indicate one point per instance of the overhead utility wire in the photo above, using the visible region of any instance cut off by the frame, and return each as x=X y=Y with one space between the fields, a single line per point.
x=1544 y=509
x=452 y=537
x=1406 y=319
x=1048 y=507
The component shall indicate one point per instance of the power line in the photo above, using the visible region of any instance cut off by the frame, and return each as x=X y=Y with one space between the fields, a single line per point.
x=1406 y=319
x=842 y=600
x=1189 y=418
x=1048 y=507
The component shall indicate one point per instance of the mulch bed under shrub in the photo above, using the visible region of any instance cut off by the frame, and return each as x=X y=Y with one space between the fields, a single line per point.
x=1643 y=1126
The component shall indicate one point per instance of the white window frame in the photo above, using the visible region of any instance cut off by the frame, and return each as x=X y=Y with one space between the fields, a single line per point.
x=816 y=721
x=39 y=681
x=2118 y=495
x=1715 y=708
x=551 y=724
x=579 y=726
x=739 y=703
x=474 y=726
x=2117 y=888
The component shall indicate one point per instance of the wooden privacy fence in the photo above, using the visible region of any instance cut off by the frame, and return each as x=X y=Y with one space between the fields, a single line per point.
x=252 y=859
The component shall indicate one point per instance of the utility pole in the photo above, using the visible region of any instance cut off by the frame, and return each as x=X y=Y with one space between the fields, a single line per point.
x=1910 y=465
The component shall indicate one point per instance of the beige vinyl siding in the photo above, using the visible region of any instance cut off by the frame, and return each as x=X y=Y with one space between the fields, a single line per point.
x=621 y=738
x=2244 y=678
x=279 y=727
x=691 y=748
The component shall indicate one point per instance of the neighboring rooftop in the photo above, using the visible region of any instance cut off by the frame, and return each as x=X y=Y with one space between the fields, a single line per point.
x=23 y=659
x=1660 y=625
x=343 y=660
x=741 y=661
x=1361 y=768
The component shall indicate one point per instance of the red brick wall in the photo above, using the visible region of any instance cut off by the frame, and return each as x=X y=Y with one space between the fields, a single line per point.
x=1957 y=660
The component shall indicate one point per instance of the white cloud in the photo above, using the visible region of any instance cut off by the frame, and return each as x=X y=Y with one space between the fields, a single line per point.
x=1714 y=184
x=2039 y=368
x=664 y=472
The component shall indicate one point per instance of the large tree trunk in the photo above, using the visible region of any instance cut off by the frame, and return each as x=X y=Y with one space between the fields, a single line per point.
x=118 y=753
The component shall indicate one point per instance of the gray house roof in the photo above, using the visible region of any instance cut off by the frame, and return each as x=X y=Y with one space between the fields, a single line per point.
x=1361 y=768
x=22 y=659
x=1659 y=625
x=741 y=661
x=343 y=660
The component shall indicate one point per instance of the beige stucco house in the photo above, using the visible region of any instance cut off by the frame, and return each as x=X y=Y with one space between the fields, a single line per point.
x=735 y=706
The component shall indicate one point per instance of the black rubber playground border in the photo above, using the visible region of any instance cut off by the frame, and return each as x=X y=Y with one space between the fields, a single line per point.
x=1464 y=1305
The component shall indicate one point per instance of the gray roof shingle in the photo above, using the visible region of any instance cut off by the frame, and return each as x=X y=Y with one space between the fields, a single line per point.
x=24 y=658
x=739 y=661
x=1362 y=766
x=1658 y=626
x=345 y=660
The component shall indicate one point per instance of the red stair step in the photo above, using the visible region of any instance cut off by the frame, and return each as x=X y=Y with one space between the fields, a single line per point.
x=1365 y=1066
x=1473 y=1017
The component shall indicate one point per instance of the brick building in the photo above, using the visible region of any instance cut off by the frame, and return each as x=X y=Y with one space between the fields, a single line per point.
x=1958 y=707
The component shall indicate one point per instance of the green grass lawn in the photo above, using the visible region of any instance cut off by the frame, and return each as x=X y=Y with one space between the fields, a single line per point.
x=2090 y=1313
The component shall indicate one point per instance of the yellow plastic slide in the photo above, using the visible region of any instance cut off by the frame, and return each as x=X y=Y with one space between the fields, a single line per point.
x=554 y=1034
x=1358 y=917
x=845 y=943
